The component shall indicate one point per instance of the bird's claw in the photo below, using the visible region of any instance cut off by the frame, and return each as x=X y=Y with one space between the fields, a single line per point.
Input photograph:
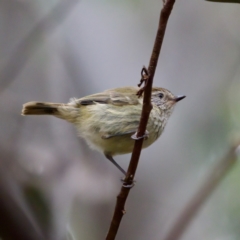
x=145 y=136
x=128 y=185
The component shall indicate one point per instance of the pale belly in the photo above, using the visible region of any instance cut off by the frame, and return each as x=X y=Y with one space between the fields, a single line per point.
x=113 y=122
x=118 y=145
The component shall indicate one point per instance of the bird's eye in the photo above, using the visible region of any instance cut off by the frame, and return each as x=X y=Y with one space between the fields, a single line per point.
x=161 y=95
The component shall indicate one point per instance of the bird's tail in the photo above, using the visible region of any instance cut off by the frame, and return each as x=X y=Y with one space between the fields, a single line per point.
x=41 y=108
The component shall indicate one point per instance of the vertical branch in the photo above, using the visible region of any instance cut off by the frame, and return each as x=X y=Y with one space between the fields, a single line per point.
x=147 y=107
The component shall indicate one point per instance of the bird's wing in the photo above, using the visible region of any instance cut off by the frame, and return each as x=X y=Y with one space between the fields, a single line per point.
x=118 y=97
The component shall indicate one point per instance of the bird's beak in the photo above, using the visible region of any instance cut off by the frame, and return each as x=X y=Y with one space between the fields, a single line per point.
x=178 y=98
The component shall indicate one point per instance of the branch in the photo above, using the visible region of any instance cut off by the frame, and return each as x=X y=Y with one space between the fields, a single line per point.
x=147 y=107
x=224 y=1
x=211 y=182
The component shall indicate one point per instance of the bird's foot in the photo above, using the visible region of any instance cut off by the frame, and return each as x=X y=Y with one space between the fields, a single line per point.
x=127 y=184
x=145 y=136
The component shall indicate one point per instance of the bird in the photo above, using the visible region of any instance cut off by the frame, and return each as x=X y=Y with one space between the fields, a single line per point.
x=108 y=120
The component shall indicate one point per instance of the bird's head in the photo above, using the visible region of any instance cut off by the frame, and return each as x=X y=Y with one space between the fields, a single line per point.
x=164 y=99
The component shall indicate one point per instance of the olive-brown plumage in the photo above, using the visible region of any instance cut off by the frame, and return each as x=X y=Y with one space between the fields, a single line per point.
x=107 y=120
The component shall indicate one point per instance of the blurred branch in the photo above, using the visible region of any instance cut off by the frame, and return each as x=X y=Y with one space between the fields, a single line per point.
x=39 y=205
x=16 y=221
x=147 y=78
x=224 y=1
x=214 y=178
x=30 y=43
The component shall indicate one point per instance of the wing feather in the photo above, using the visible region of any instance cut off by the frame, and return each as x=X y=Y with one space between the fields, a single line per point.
x=118 y=97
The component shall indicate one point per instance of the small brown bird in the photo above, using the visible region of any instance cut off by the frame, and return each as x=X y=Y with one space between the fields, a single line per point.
x=107 y=120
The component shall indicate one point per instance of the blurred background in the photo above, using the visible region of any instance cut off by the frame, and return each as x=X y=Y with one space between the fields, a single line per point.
x=51 y=183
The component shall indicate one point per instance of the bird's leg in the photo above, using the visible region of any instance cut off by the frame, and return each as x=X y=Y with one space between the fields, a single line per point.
x=110 y=158
x=117 y=134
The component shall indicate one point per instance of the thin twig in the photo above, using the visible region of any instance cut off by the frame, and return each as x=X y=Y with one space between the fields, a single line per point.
x=224 y=1
x=211 y=182
x=30 y=43
x=147 y=107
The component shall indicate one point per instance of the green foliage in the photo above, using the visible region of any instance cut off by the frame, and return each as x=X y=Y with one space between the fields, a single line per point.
x=39 y=205
x=70 y=235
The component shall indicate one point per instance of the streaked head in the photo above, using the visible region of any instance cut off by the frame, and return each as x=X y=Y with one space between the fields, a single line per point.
x=164 y=99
